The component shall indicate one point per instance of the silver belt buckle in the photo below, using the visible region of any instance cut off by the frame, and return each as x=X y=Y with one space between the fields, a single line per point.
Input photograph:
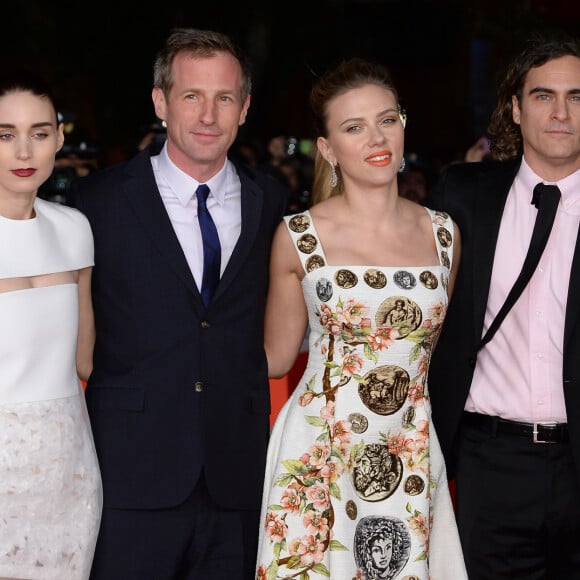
x=543 y=424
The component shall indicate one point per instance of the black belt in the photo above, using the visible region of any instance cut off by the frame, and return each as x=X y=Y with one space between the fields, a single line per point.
x=541 y=432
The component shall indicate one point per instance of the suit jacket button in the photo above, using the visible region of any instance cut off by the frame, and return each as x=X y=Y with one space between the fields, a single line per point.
x=198 y=387
x=204 y=324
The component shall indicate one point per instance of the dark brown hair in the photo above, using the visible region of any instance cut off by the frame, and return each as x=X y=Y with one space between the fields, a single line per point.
x=504 y=134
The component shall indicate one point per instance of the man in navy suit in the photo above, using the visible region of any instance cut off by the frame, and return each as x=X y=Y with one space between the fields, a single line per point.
x=179 y=394
x=508 y=415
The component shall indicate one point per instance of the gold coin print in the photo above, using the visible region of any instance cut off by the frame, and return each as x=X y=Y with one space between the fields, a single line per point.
x=299 y=223
x=444 y=237
x=414 y=485
x=314 y=262
x=400 y=313
x=384 y=389
x=346 y=279
x=428 y=279
x=307 y=243
x=375 y=278
x=359 y=423
x=350 y=509
x=376 y=473
x=445 y=259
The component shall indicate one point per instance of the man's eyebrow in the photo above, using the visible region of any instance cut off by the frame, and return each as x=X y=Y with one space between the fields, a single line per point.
x=552 y=91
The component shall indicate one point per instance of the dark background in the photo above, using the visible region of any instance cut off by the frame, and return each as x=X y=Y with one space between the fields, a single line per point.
x=445 y=57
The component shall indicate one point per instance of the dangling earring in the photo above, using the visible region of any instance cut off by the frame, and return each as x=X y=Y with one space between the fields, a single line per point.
x=402 y=166
x=402 y=116
x=333 y=175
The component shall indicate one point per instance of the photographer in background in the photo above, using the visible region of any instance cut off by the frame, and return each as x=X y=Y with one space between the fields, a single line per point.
x=78 y=157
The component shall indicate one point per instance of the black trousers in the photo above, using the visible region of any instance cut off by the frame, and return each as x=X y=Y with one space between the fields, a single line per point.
x=518 y=507
x=196 y=540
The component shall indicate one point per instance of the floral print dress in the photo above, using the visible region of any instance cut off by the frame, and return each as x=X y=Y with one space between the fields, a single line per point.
x=355 y=486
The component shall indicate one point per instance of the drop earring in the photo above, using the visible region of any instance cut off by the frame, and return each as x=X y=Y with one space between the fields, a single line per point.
x=333 y=175
x=402 y=166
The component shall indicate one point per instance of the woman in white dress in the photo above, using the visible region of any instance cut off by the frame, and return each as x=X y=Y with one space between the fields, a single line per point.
x=356 y=487
x=50 y=485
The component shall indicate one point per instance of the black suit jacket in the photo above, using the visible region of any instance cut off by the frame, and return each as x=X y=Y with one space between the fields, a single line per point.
x=176 y=386
x=474 y=194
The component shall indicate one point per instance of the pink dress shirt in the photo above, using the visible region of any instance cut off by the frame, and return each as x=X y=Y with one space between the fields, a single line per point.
x=519 y=373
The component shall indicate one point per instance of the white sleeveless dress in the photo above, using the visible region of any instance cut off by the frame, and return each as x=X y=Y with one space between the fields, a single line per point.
x=50 y=484
x=356 y=487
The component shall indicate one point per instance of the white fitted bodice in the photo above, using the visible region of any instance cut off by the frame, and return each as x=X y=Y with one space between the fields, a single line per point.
x=50 y=483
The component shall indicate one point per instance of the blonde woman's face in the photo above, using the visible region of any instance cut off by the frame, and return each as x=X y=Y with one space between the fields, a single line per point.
x=365 y=136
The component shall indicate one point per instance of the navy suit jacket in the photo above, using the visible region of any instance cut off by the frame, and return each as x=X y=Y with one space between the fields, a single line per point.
x=176 y=386
x=474 y=194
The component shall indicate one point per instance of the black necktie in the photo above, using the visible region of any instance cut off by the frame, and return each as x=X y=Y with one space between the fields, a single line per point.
x=212 y=251
x=546 y=199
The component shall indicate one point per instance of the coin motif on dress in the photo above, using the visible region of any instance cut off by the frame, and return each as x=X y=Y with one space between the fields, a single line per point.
x=307 y=243
x=359 y=423
x=445 y=259
x=401 y=313
x=444 y=237
x=299 y=223
x=404 y=279
x=384 y=389
x=428 y=279
x=314 y=262
x=376 y=473
x=375 y=278
x=346 y=279
x=324 y=289
x=368 y=555
x=408 y=417
x=414 y=485
x=351 y=509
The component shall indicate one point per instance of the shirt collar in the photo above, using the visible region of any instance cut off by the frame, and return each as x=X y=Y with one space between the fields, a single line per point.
x=184 y=186
x=569 y=187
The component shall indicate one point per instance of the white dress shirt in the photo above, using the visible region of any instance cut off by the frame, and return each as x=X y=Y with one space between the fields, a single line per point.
x=177 y=191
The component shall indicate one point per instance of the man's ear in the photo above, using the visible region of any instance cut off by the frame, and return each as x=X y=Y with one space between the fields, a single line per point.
x=244 y=112
x=159 y=103
x=516 y=113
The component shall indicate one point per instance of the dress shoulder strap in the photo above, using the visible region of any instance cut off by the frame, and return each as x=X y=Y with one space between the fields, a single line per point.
x=444 y=233
x=305 y=238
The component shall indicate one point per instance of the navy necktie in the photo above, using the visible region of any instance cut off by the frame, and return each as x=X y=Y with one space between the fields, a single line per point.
x=212 y=251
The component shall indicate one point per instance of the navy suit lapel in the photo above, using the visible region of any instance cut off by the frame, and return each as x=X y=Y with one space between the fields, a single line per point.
x=143 y=196
x=251 y=207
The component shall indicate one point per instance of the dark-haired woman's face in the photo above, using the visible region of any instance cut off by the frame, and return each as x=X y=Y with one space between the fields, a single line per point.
x=30 y=137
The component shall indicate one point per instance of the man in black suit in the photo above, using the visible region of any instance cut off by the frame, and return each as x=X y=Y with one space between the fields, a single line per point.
x=508 y=415
x=179 y=395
